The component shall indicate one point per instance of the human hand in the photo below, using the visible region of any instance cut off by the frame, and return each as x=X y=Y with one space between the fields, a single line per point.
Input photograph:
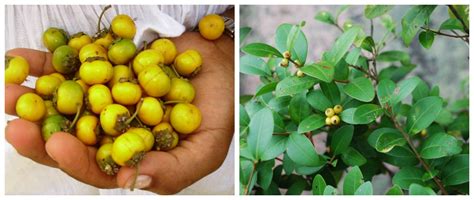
x=196 y=156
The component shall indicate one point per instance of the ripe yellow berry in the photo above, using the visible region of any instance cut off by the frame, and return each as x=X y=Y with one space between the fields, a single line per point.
x=284 y=62
x=299 y=73
x=286 y=55
x=328 y=121
x=329 y=112
x=335 y=120
x=337 y=109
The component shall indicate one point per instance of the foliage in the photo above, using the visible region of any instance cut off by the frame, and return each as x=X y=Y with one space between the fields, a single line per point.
x=392 y=123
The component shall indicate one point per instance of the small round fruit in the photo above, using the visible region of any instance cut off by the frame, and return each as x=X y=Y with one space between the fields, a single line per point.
x=46 y=85
x=126 y=93
x=128 y=149
x=151 y=112
x=328 y=121
x=106 y=139
x=54 y=38
x=185 y=118
x=50 y=109
x=211 y=26
x=104 y=40
x=68 y=97
x=299 y=73
x=58 y=75
x=424 y=133
x=92 y=50
x=53 y=124
x=166 y=116
x=165 y=138
x=96 y=72
x=65 y=60
x=121 y=73
x=104 y=159
x=284 y=62
x=154 y=81
x=146 y=135
x=79 y=40
x=329 y=112
x=87 y=129
x=98 y=97
x=180 y=90
x=337 y=109
x=188 y=63
x=287 y=54
x=121 y=51
x=146 y=58
x=31 y=107
x=123 y=26
x=335 y=120
x=83 y=84
x=113 y=118
x=167 y=48
x=17 y=69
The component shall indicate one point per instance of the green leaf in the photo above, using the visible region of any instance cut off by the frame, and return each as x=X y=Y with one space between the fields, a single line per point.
x=297 y=187
x=330 y=190
x=440 y=145
x=451 y=24
x=265 y=173
x=444 y=118
x=260 y=132
x=368 y=44
x=361 y=89
x=325 y=17
x=423 y=113
x=342 y=70
x=322 y=71
x=342 y=45
x=394 y=190
x=302 y=152
x=421 y=91
x=331 y=91
x=365 y=189
x=457 y=170
x=261 y=50
x=404 y=89
x=373 y=11
x=275 y=147
x=401 y=156
x=318 y=185
x=252 y=65
x=385 y=90
x=426 y=39
x=270 y=87
x=299 y=108
x=294 y=85
x=300 y=46
x=353 y=56
x=311 y=123
x=318 y=100
x=246 y=167
x=348 y=116
x=367 y=113
x=416 y=17
x=416 y=189
x=406 y=176
x=393 y=56
x=341 y=139
x=388 y=23
x=352 y=181
x=244 y=32
x=352 y=157
x=385 y=139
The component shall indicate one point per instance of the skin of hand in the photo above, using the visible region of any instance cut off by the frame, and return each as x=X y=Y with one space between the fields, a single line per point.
x=196 y=156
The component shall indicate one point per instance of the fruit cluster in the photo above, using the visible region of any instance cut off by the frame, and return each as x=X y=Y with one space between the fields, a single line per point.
x=111 y=95
x=332 y=115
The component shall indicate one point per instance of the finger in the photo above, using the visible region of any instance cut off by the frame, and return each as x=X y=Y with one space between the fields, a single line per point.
x=26 y=138
x=40 y=61
x=12 y=93
x=77 y=160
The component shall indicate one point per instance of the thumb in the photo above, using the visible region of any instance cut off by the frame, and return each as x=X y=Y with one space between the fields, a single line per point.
x=77 y=160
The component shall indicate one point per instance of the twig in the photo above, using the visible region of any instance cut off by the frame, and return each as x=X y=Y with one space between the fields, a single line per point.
x=281 y=133
x=246 y=190
x=445 y=34
x=365 y=71
x=371 y=28
x=341 y=81
x=413 y=148
x=455 y=12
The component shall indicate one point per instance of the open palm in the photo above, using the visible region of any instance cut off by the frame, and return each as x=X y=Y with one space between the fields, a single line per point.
x=161 y=172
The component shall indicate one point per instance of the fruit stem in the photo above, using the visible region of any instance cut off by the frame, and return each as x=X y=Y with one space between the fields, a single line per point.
x=175 y=72
x=132 y=186
x=101 y=15
x=78 y=113
x=139 y=105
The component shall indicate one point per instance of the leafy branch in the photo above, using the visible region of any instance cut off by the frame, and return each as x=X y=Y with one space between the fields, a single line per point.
x=455 y=13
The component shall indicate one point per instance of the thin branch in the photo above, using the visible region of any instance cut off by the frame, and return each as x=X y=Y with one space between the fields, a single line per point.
x=413 y=148
x=246 y=190
x=455 y=12
x=281 y=133
x=372 y=28
x=365 y=71
x=341 y=81
x=445 y=34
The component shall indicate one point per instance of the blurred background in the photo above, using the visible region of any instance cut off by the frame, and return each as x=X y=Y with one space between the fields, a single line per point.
x=445 y=64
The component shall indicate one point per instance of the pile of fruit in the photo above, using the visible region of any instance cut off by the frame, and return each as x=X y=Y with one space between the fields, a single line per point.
x=109 y=94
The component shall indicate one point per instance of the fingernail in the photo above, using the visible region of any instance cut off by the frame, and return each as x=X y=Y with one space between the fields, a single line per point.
x=142 y=181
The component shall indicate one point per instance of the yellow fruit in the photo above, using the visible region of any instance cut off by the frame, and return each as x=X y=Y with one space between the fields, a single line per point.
x=58 y=75
x=84 y=86
x=328 y=121
x=79 y=40
x=112 y=119
x=17 y=69
x=166 y=116
x=96 y=72
x=68 y=97
x=123 y=26
x=154 y=81
x=98 y=97
x=150 y=112
x=167 y=48
x=181 y=90
x=188 y=62
x=146 y=135
x=31 y=107
x=165 y=138
x=329 y=112
x=211 y=26
x=126 y=93
x=87 y=129
x=105 y=161
x=46 y=85
x=104 y=41
x=335 y=120
x=50 y=109
x=185 y=118
x=146 y=58
x=121 y=73
x=92 y=50
x=128 y=149
x=337 y=109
